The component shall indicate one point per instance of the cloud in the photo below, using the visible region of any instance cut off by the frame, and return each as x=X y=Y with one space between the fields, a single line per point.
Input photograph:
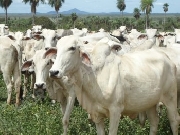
x=158 y=3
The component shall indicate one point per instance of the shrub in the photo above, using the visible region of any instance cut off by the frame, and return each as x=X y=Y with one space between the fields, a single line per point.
x=45 y=22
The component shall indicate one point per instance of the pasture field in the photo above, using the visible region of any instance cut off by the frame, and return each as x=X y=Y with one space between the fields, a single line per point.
x=34 y=117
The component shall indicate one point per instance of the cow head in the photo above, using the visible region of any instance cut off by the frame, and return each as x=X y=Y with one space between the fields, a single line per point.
x=50 y=38
x=40 y=66
x=160 y=39
x=26 y=67
x=36 y=28
x=71 y=53
x=67 y=56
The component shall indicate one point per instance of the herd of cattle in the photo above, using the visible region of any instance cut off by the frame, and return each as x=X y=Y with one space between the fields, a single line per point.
x=111 y=73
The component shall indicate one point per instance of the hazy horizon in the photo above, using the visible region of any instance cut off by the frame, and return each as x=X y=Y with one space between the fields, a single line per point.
x=93 y=6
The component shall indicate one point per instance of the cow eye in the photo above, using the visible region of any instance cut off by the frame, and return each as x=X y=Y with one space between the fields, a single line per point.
x=54 y=38
x=48 y=63
x=72 y=48
x=33 y=64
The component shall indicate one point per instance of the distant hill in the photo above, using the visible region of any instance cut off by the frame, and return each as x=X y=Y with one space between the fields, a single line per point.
x=79 y=12
x=75 y=10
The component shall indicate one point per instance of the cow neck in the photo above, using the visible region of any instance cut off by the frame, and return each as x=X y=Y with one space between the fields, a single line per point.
x=75 y=69
x=85 y=93
x=109 y=59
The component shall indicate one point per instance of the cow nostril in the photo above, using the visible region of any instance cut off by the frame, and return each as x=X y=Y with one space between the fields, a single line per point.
x=39 y=85
x=54 y=72
x=46 y=48
x=23 y=72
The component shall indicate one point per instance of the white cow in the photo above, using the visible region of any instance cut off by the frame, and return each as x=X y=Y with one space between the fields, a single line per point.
x=49 y=37
x=63 y=32
x=177 y=32
x=174 y=55
x=4 y=30
x=95 y=37
x=108 y=85
x=30 y=47
x=39 y=41
x=144 y=41
x=16 y=41
x=78 y=32
x=9 y=66
x=37 y=28
x=59 y=90
x=169 y=39
x=28 y=34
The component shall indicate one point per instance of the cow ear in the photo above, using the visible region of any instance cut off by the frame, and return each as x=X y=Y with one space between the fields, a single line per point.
x=85 y=58
x=11 y=37
x=26 y=38
x=26 y=65
x=50 y=53
x=116 y=47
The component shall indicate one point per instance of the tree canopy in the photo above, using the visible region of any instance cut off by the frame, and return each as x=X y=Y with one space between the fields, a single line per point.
x=56 y=4
x=34 y=4
x=165 y=7
x=146 y=6
x=136 y=13
x=121 y=6
x=5 y=4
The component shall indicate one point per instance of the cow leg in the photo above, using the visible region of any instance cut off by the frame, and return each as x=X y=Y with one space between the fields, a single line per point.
x=7 y=80
x=100 y=127
x=17 y=82
x=172 y=112
x=115 y=115
x=25 y=84
x=178 y=98
x=69 y=107
x=142 y=118
x=63 y=103
x=33 y=80
x=153 y=117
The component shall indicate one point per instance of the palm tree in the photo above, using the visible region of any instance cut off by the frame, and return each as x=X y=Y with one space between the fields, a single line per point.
x=74 y=18
x=121 y=6
x=165 y=7
x=146 y=6
x=5 y=4
x=136 y=13
x=57 y=5
x=34 y=4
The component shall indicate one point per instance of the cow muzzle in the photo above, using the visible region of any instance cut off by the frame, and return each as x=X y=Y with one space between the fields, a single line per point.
x=54 y=73
x=39 y=86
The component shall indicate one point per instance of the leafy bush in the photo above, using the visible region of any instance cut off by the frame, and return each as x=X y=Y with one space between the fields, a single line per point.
x=45 y=22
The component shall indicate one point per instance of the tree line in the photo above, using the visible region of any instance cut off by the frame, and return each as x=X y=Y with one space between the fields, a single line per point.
x=145 y=6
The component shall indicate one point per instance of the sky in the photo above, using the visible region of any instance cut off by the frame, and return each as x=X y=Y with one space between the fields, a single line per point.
x=93 y=6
